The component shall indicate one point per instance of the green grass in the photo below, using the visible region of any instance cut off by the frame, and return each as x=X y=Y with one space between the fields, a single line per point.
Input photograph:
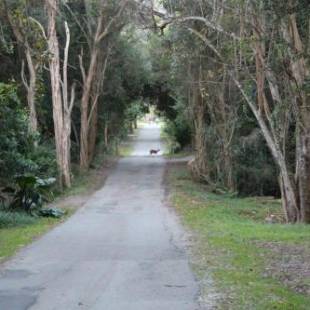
x=13 y=237
x=231 y=237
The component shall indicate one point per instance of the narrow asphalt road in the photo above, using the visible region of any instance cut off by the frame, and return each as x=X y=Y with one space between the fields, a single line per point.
x=123 y=250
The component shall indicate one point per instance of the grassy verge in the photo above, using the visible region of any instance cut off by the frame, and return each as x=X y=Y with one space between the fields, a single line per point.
x=21 y=233
x=243 y=262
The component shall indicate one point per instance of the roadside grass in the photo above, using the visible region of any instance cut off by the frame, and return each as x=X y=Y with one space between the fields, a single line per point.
x=253 y=265
x=20 y=231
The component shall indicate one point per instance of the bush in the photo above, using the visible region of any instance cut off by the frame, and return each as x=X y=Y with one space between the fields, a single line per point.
x=14 y=219
x=14 y=139
x=17 y=152
x=29 y=193
x=178 y=134
x=255 y=172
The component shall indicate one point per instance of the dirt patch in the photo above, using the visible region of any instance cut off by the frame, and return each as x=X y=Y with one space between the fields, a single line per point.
x=290 y=264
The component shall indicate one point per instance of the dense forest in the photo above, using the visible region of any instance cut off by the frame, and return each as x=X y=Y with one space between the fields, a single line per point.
x=230 y=78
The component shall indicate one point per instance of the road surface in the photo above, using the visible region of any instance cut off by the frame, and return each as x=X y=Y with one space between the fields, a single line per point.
x=124 y=250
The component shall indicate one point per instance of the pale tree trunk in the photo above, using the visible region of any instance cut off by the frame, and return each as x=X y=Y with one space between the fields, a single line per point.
x=61 y=108
x=67 y=111
x=54 y=64
x=31 y=92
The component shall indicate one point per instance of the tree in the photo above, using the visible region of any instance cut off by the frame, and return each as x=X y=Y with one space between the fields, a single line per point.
x=103 y=26
x=260 y=42
x=28 y=34
x=61 y=106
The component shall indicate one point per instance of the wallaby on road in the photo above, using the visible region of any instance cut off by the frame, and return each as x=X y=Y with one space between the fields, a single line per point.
x=154 y=151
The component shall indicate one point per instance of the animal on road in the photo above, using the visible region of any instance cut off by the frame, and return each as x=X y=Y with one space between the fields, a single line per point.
x=152 y=151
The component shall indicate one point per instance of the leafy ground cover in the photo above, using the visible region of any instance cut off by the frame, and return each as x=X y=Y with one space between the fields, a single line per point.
x=242 y=261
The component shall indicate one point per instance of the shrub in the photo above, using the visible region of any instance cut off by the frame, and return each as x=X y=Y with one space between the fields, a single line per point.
x=178 y=134
x=14 y=219
x=30 y=193
x=17 y=152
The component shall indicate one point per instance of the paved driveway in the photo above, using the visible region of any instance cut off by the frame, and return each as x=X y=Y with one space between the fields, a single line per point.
x=123 y=251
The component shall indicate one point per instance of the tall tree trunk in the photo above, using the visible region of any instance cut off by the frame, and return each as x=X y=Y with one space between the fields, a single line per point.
x=54 y=64
x=67 y=110
x=61 y=111
x=31 y=92
x=84 y=135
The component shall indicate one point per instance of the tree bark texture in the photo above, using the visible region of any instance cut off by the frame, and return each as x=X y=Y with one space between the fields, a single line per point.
x=61 y=110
